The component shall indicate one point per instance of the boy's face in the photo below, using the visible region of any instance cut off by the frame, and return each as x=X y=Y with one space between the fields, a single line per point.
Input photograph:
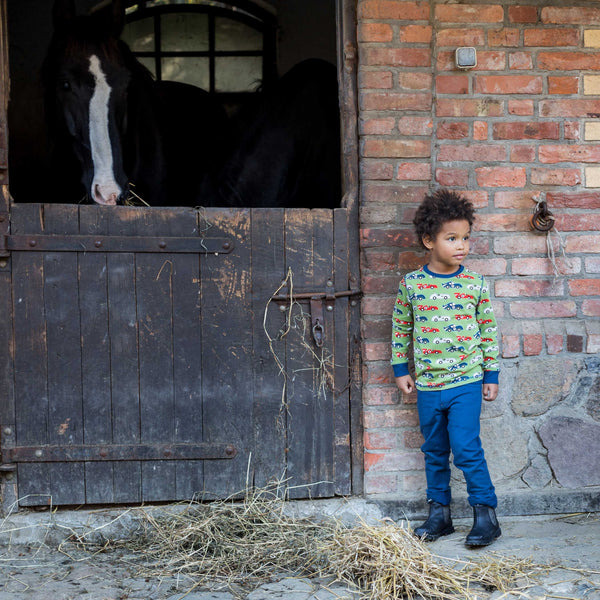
x=450 y=246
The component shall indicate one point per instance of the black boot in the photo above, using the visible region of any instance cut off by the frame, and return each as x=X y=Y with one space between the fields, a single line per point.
x=485 y=526
x=438 y=524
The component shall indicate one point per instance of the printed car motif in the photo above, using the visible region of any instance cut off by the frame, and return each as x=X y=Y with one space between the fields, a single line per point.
x=464 y=338
x=426 y=286
x=465 y=276
x=442 y=341
x=453 y=306
x=425 y=307
x=484 y=321
x=421 y=318
x=440 y=297
x=438 y=318
x=462 y=317
x=399 y=334
x=429 y=330
x=451 y=284
x=456 y=349
x=462 y=296
x=422 y=340
x=453 y=327
x=431 y=351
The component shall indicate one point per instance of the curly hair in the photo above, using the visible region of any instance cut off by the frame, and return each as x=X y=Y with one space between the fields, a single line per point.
x=438 y=208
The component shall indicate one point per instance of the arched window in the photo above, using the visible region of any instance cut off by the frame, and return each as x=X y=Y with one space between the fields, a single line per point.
x=225 y=48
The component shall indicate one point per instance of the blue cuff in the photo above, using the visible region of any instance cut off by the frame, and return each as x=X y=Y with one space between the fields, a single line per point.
x=400 y=370
x=491 y=377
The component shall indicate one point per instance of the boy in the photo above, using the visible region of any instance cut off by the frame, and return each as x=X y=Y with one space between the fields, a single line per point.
x=445 y=310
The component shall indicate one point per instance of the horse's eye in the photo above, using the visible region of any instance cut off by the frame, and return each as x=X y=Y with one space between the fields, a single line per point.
x=65 y=86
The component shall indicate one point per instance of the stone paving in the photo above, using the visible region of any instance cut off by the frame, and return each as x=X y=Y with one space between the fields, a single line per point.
x=569 y=545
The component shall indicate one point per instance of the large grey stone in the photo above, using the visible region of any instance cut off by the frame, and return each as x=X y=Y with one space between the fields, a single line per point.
x=573 y=450
x=538 y=474
x=541 y=384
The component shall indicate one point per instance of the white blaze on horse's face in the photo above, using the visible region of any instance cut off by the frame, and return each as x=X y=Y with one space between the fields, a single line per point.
x=105 y=190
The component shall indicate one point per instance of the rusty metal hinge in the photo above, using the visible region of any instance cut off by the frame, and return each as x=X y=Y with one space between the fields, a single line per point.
x=112 y=243
x=103 y=452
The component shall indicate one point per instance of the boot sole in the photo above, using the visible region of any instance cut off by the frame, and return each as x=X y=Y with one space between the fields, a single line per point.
x=427 y=537
x=477 y=544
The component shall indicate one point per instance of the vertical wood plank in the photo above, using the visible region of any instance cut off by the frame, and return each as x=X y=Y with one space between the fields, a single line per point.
x=61 y=301
x=95 y=355
x=343 y=363
x=227 y=350
x=123 y=328
x=268 y=271
x=31 y=374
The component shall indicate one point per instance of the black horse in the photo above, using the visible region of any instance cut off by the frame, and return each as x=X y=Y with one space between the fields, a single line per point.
x=119 y=127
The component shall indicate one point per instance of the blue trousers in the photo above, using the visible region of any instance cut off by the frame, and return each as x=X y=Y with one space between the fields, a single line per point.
x=449 y=421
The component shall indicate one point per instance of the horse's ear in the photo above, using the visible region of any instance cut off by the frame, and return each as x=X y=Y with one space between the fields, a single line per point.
x=118 y=17
x=63 y=12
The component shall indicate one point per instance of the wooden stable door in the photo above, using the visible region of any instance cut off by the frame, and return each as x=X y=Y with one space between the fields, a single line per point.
x=158 y=354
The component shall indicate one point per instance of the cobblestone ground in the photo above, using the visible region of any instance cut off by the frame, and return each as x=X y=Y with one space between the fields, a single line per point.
x=569 y=546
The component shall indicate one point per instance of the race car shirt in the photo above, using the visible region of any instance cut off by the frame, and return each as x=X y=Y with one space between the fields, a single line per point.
x=450 y=322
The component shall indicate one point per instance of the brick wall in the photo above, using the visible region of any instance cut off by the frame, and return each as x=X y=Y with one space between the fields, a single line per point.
x=522 y=126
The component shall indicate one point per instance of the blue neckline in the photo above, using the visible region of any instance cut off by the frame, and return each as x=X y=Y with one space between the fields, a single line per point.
x=457 y=272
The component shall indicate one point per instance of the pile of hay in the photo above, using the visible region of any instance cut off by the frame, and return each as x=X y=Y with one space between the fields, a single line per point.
x=245 y=543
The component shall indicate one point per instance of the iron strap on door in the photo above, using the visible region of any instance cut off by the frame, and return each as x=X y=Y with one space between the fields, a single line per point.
x=112 y=243
x=317 y=299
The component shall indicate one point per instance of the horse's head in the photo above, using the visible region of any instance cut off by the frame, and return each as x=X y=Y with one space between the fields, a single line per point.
x=87 y=77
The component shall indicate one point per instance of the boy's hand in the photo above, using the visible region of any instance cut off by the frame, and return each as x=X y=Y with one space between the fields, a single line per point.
x=490 y=391
x=405 y=384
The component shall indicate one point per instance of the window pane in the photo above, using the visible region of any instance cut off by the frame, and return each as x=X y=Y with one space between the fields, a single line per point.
x=149 y=63
x=139 y=35
x=192 y=70
x=237 y=73
x=184 y=32
x=233 y=35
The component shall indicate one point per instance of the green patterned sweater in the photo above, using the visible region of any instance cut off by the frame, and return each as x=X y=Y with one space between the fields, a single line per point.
x=450 y=322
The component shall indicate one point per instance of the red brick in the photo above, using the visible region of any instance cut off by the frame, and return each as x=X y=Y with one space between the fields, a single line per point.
x=511 y=346
x=551 y=37
x=452 y=130
x=376 y=351
x=377 y=372
x=391 y=417
x=377 y=238
x=377 y=306
x=381 y=440
x=414 y=171
x=584 y=199
x=394 y=9
x=376 y=80
x=584 y=287
x=526 y=130
x=377 y=327
x=396 y=148
x=452 y=84
x=480 y=130
x=380 y=395
x=479 y=199
x=416 y=34
x=382 y=126
x=572 y=130
x=568 y=61
x=569 y=153
x=472 y=152
x=522 y=154
x=487 y=60
x=555 y=176
x=376 y=170
x=375 y=32
x=391 y=194
x=513 y=288
x=487 y=266
x=583 y=243
x=589 y=222
x=563 y=85
x=505 y=37
x=394 y=461
x=404 y=57
x=521 y=108
x=501 y=222
x=592 y=265
x=533 y=344
x=508 y=84
x=452 y=177
x=373 y=213
x=520 y=61
x=521 y=244
x=413 y=439
x=468 y=107
x=414 y=125
x=381 y=483
x=554 y=343
x=475 y=13
x=591 y=308
x=579 y=15
x=411 y=260
x=415 y=80
x=395 y=101
x=460 y=37
x=518 y=200
x=543 y=266
x=543 y=309
x=522 y=14
x=572 y=107
x=501 y=176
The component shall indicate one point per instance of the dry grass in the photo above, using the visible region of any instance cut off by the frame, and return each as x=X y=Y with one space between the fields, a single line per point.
x=245 y=543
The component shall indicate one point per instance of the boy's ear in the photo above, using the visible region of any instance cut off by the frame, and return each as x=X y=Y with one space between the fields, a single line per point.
x=427 y=242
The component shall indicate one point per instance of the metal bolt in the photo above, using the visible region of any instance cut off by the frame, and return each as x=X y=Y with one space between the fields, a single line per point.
x=329 y=307
x=7 y=431
x=3 y=263
x=329 y=283
x=32 y=243
x=230 y=450
x=39 y=453
x=353 y=303
x=282 y=307
x=162 y=245
x=98 y=244
x=226 y=246
x=9 y=476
